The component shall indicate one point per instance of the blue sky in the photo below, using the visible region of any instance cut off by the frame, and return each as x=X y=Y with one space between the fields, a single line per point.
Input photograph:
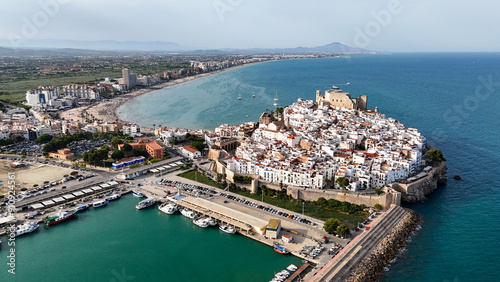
x=389 y=25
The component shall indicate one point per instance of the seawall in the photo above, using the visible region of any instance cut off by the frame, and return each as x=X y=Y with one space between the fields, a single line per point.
x=370 y=267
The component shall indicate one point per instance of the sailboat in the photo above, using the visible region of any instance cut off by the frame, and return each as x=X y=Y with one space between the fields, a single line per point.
x=253 y=96
x=239 y=97
x=276 y=99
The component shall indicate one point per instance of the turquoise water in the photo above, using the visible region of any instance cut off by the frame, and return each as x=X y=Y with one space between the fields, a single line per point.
x=435 y=93
x=120 y=243
x=432 y=92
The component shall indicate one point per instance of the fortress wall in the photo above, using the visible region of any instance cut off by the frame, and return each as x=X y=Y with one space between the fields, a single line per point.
x=385 y=200
x=419 y=189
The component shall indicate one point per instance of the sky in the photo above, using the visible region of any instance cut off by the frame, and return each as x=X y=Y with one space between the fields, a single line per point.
x=388 y=25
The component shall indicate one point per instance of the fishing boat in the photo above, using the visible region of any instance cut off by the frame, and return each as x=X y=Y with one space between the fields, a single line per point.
x=201 y=222
x=59 y=217
x=168 y=208
x=227 y=229
x=100 y=203
x=138 y=194
x=145 y=204
x=81 y=208
x=114 y=197
x=188 y=213
x=280 y=249
x=26 y=228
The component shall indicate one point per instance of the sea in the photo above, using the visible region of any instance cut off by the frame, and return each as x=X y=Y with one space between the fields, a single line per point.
x=451 y=98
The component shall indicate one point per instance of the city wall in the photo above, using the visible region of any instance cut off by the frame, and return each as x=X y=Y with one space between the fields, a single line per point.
x=385 y=200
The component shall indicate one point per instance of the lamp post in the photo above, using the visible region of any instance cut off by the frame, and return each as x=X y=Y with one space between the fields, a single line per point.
x=303 y=207
x=262 y=190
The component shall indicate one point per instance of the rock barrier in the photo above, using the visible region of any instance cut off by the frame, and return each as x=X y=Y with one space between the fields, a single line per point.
x=370 y=268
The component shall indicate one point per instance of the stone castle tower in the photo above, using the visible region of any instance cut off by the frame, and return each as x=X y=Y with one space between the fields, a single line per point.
x=336 y=98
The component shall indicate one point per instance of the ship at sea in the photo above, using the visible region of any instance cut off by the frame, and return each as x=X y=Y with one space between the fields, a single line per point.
x=59 y=217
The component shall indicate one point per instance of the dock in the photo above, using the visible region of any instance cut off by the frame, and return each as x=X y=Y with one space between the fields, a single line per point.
x=298 y=272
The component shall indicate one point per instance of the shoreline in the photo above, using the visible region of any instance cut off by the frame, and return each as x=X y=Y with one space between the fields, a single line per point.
x=106 y=111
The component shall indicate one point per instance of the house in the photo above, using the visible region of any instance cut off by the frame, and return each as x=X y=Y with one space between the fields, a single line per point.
x=63 y=154
x=191 y=152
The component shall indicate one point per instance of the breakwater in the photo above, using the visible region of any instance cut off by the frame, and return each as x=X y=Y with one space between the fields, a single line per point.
x=370 y=267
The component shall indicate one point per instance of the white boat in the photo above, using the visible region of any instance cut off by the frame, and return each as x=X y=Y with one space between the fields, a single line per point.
x=227 y=229
x=168 y=208
x=292 y=267
x=201 y=222
x=114 y=197
x=138 y=194
x=26 y=228
x=100 y=203
x=145 y=203
x=211 y=221
x=188 y=213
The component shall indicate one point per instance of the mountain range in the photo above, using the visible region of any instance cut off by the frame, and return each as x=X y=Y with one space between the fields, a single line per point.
x=160 y=46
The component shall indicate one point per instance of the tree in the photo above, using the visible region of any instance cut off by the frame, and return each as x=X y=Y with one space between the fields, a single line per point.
x=343 y=230
x=44 y=138
x=343 y=182
x=435 y=155
x=322 y=202
x=379 y=191
x=377 y=207
x=331 y=225
x=198 y=145
x=74 y=172
x=117 y=155
x=127 y=148
x=139 y=153
x=115 y=141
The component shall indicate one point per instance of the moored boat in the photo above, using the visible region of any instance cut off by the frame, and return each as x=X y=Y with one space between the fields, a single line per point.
x=280 y=249
x=81 y=208
x=188 y=213
x=59 y=217
x=168 y=208
x=201 y=222
x=26 y=228
x=114 y=197
x=211 y=221
x=138 y=194
x=145 y=203
x=100 y=203
x=227 y=229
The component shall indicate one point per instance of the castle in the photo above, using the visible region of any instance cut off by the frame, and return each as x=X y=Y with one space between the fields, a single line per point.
x=336 y=98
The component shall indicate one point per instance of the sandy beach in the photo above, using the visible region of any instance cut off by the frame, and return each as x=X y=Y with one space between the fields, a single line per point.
x=106 y=110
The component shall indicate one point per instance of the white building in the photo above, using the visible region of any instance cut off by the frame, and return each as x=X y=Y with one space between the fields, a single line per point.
x=41 y=95
x=190 y=152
